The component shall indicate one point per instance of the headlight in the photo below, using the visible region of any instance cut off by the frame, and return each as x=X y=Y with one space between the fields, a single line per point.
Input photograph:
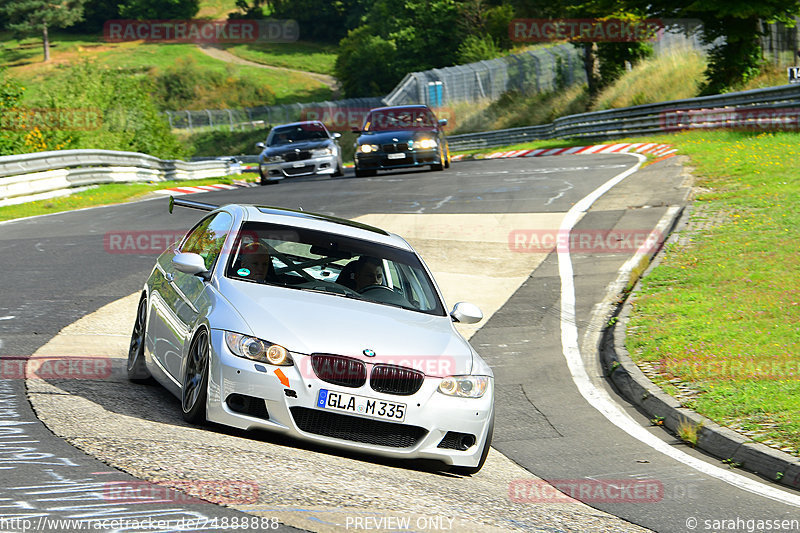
x=321 y=152
x=427 y=144
x=464 y=386
x=257 y=350
x=367 y=148
x=275 y=159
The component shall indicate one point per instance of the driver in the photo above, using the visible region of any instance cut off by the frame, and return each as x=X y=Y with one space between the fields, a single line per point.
x=361 y=273
x=256 y=259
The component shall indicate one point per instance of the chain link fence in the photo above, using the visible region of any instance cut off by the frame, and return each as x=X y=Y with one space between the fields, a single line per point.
x=781 y=43
x=542 y=69
x=250 y=118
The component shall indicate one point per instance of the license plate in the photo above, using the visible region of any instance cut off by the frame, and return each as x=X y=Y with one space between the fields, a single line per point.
x=396 y=156
x=360 y=405
x=298 y=165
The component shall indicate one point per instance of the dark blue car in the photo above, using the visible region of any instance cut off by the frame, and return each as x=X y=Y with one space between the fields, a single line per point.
x=401 y=137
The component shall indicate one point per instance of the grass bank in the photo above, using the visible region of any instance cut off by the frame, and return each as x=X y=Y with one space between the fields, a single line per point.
x=720 y=316
x=112 y=193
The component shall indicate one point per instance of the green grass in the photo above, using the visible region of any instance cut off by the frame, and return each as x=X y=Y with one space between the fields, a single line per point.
x=311 y=57
x=24 y=59
x=671 y=76
x=722 y=313
x=112 y=193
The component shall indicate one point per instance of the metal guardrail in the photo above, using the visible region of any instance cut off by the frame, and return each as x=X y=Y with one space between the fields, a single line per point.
x=770 y=109
x=41 y=172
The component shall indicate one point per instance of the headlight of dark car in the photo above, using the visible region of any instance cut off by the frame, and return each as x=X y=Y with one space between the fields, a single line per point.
x=464 y=386
x=424 y=144
x=257 y=349
x=274 y=158
x=367 y=148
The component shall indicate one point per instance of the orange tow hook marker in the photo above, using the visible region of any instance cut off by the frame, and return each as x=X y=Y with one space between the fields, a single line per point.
x=282 y=377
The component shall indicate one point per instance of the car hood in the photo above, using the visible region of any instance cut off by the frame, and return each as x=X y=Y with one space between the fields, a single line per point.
x=308 y=322
x=385 y=137
x=304 y=145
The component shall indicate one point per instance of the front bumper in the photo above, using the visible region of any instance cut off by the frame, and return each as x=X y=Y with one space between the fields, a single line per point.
x=388 y=160
x=435 y=427
x=290 y=169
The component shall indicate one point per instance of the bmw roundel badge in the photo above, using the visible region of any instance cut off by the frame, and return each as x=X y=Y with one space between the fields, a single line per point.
x=369 y=353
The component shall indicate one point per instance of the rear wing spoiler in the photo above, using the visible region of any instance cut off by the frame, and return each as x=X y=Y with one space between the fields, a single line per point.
x=190 y=204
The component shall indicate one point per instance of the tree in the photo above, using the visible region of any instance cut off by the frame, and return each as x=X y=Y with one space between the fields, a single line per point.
x=365 y=64
x=737 y=56
x=159 y=9
x=29 y=16
x=321 y=20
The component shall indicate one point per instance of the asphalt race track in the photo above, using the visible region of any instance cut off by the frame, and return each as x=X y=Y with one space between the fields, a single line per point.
x=477 y=225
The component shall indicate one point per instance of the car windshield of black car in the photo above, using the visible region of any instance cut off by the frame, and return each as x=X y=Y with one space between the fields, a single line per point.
x=403 y=119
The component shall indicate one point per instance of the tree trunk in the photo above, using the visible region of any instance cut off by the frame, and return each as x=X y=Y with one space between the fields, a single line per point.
x=590 y=66
x=46 y=42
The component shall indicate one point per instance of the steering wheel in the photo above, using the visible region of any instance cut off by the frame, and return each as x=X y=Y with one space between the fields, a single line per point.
x=375 y=286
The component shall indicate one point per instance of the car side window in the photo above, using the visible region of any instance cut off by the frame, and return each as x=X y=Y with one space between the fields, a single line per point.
x=208 y=237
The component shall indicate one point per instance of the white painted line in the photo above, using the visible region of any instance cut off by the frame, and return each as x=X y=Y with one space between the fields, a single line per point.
x=572 y=150
x=593 y=149
x=536 y=152
x=645 y=147
x=599 y=398
x=612 y=148
x=8 y=317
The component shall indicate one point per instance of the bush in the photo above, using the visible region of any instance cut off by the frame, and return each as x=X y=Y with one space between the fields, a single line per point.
x=186 y=85
x=129 y=119
x=364 y=66
x=477 y=48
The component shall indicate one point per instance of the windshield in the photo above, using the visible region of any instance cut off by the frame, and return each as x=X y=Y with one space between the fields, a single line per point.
x=310 y=260
x=400 y=119
x=297 y=133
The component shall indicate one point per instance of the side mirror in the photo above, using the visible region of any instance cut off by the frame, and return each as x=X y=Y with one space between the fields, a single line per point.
x=189 y=263
x=336 y=135
x=261 y=145
x=466 y=313
x=443 y=122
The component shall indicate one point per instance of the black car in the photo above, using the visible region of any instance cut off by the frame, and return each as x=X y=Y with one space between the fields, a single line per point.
x=401 y=137
x=299 y=149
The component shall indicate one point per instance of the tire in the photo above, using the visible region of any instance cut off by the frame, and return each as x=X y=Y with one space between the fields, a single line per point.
x=195 y=380
x=137 y=369
x=447 y=161
x=339 y=169
x=440 y=164
x=470 y=470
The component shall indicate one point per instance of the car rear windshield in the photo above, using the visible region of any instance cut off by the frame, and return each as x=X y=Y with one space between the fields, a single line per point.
x=400 y=119
x=311 y=260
